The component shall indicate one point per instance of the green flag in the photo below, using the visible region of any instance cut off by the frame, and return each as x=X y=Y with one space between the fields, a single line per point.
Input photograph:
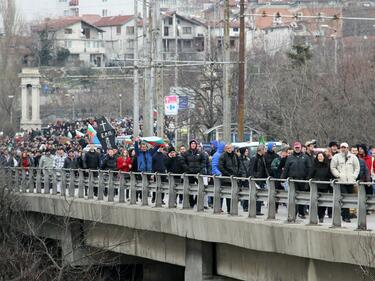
x=262 y=140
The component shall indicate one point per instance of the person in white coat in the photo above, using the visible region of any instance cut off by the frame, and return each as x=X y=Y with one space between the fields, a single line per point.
x=345 y=168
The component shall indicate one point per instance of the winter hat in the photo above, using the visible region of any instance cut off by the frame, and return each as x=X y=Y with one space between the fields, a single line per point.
x=297 y=144
x=333 y=143
x=192 y=141
x=270 y=145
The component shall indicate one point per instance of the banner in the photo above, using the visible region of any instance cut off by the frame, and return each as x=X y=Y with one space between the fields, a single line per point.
x=106 y=134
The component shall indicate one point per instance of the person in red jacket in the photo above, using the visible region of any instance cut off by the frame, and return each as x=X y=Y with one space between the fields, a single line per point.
x=362 y=153
x=124 y=162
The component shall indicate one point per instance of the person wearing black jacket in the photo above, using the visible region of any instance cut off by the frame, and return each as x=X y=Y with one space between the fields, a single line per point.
x=71 y=162
x=298 y=167
x=229 y=165
x=259 y=170
x=159 y=159
x=194 y=163
x=245 y=173
x=110 y=161
x=321 y=171
x=91 y=159
x=269 y=156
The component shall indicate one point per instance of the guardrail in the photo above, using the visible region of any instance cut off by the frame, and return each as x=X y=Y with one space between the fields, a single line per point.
x=102 y=185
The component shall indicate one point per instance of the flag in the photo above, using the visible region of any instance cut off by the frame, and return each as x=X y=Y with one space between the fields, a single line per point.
x=91 y=132
x=106 y=133
x=153 y=140
x=70 y=135
x=262 y=140
x=80 y=134
x=95 y=140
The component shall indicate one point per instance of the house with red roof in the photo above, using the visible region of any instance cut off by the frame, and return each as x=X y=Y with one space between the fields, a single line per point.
x=83 y=39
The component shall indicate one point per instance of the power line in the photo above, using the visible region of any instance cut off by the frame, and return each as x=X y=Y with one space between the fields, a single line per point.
x=319 y=16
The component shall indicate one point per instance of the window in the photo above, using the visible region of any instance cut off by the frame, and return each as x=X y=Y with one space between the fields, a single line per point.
x=105 y=0
x=186 y=30
x=187 y=44
x=130 y=30
x=66 y=13
x=131 y=44
x=232 y=43
x=104 y=12
x=63 y=1
x=235 y=29
x=170 y=21
x=68 y=44
x=118 y=30
x=166 y=31
x=68 y=31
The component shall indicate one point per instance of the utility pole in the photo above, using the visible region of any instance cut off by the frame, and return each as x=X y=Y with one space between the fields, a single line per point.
x=176 y=71
x=136 y=80
x=148 y=112
x=158 y=56
x=241 y=75
x=227 y=112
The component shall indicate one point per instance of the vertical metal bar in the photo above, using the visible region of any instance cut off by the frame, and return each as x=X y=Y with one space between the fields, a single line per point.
x=145 y=190
x=217 y=189
x=91 y=185
x=362 y=208
x=171 y=192
x=234 y=197
x=111 y=188
x=200 y=195
x=71 y=183
x=101 y=186
x=38 y=181
x=252 y=199
x=336 y=208
x=54 y=182
x=313 y=209
x=30 y=182
x=46 y=181
x=81 y=184
x=63 y=182
x=158 y=191
x=186 y=203
x=271 y=213
x=23 y=181
x=133 y=189
x=292 y=208
x=121 y=188
x=17 y=180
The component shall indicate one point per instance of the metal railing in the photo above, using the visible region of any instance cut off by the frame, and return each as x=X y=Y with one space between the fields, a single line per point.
x=103 y=185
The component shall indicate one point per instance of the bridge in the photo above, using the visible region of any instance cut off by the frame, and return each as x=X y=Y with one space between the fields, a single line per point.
x=177 y=242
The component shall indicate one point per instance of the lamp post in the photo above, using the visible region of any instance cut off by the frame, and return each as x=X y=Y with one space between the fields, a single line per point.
x=11 y=97
x=120 y=96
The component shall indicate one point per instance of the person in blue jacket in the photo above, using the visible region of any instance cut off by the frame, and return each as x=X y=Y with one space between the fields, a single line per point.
x=215 y=159
x=144 y=156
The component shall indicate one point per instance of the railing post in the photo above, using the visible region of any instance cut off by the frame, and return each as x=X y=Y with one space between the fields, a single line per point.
x=252 y=199
x=90 y=194
x=217 y=189
x=185 y=202
x=63 y=182
x=171 y=192
x=336 y=208
x=271 y=213
x=158 y=191
x=121 y=189
x=38 y=181
x=144 y=190
x=16 y=180
x=101 y=186
x=30 y=182
x=200 y=194
x=54 y=182
x=23 y=181
x=133 y=189
x=81 y=184
x=71 y=183
x=292 y=208
x=46 y=182
x=234 y=197
x=313 y=209
x=111 y=188
x=362 y=208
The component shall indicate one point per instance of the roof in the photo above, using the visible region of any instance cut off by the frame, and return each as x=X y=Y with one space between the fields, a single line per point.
x=92 y=19
x=60 y=23
x=113 y=21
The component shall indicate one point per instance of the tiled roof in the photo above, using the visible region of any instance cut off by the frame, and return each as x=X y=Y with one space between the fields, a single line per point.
x=60 y=23
x=113 y=21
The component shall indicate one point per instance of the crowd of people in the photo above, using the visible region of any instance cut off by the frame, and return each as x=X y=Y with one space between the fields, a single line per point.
x=302 y=162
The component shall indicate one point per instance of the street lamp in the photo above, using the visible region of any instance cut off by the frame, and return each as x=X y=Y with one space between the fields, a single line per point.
x=120 y=96
x=11 y=97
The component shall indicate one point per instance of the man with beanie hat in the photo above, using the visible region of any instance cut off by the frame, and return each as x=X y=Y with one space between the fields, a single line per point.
x=269 y=156
x=194 y=163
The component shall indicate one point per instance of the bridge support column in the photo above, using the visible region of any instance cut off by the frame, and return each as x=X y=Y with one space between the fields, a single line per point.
x=73 y=251
x=198 y=260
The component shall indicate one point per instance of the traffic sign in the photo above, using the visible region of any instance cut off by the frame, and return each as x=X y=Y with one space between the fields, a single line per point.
x=183 y=102
x=171 y=105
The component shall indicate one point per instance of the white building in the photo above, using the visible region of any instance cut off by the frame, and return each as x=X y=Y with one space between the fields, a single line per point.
x=38 y=10
x=83 y=40
x=119 y=36
x=106 y=8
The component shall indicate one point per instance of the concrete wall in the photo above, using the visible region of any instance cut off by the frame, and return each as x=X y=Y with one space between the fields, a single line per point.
x=283 y=244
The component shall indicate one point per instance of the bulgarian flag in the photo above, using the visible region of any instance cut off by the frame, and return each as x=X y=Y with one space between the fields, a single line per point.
x=91 y=132
x=80 y=134
x=153 y=141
